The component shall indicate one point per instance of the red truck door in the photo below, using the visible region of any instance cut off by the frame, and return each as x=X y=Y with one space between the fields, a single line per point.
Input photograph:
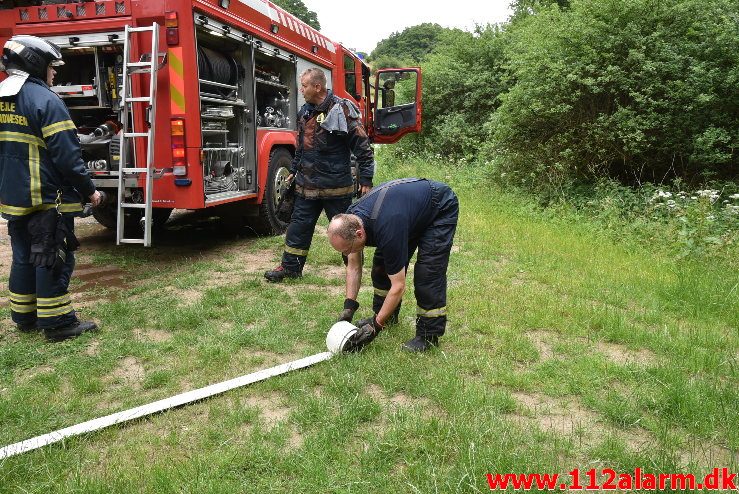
x=397 y=104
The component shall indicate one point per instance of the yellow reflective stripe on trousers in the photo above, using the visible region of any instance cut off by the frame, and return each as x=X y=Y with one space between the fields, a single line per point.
x=22 y=297
x=54 y=306
x=21 y=211
x=420 y=311
x=23 y=308
x=34 y=170
x=59 y=311
x=381 y=293
x=294 y=251
x=52 y=129
x=54 y=301
x=22 y=303
x=21 y=137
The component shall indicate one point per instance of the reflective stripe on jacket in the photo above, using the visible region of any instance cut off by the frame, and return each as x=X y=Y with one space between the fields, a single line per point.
x=39 y=153
x=322 y=160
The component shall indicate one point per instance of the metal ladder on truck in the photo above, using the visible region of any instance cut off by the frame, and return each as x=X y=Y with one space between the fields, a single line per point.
x=129 y=136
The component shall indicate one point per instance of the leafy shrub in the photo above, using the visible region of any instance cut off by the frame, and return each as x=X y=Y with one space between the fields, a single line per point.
x=637 y=90
x=462 y=79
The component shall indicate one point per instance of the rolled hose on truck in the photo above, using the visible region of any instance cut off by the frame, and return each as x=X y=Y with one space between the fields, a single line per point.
x=336 y=341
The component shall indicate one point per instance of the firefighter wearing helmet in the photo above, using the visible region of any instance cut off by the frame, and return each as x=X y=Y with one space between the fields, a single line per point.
x=43 y=181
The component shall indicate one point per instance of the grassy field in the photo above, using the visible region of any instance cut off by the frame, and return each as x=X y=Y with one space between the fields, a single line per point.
x=565 y=349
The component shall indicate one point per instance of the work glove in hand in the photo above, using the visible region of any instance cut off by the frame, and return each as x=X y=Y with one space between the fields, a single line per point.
x=42 y=228
x=368 y=330
x=51 y=240
x=350 y=307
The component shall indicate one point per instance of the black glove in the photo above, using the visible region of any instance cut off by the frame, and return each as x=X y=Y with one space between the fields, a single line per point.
x=42 y=229
x=368 y=330
x=350 y=307
x=51 y=239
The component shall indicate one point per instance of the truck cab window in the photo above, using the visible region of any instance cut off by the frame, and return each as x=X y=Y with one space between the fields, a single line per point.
x=350 y=78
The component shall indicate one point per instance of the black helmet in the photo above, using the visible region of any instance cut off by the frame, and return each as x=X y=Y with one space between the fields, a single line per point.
x=31 y=54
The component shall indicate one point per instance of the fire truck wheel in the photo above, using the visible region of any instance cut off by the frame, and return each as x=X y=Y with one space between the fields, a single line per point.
x=279 y=169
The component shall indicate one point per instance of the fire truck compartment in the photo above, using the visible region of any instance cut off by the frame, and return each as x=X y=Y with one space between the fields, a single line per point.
x=244 y=85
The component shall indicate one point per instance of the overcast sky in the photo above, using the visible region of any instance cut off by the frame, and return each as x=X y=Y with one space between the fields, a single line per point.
x=361 y=25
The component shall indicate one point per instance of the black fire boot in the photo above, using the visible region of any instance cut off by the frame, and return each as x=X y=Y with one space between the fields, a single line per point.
x=420 y=343
x=69 y=331
x=27 y=327
x=280 y=273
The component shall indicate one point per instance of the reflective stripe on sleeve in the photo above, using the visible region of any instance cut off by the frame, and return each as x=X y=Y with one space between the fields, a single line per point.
x=52 y=129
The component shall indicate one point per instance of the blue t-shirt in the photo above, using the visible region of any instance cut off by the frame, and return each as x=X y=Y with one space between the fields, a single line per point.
x=403 y=216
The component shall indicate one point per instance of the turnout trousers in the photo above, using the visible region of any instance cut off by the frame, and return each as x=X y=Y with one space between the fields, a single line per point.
x=430 y=278
x=36 y=295
x=302 y=224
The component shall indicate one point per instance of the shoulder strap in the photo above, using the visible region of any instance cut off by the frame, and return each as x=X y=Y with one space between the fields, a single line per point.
x=382 y=190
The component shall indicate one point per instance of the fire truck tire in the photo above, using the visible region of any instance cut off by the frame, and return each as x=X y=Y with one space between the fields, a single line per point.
x=278 y=170
x=106 y=216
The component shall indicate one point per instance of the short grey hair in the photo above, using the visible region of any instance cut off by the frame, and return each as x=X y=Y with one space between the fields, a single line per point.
x=345 y=226
x=315 y=76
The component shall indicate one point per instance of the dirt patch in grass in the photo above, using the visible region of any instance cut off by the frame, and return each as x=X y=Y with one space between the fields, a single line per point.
x=540 y=339
x=93 y=348
x=36 y=371
x=270 y=407
x=130 y=372
x=295 y=441
x=568 y=417
x=8 y=332
x=706 y=455
x=152 y=335
x=561 y=415
x=621 y=355
x=329 y=272
x=89 y=279
x=615 y=353
x=294 y=290
x=402 y=400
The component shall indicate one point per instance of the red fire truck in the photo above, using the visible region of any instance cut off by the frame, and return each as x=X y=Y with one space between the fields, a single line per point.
x=192 y=104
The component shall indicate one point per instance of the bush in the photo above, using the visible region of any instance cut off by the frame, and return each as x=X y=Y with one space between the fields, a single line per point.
x=638 y=90
x=461 y=81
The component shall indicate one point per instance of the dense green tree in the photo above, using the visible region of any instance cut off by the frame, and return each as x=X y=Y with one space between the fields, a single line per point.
x=461 y=83
x=409 y=46
x=299 y=10
x=635 y=89
x=524 y=8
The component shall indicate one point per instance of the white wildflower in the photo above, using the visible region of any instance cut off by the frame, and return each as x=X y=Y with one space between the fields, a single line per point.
x=734 y=196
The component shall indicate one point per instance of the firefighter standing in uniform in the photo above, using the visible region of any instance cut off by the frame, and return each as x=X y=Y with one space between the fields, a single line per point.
x=329 y=131
x=399 y=217
x=41 y=178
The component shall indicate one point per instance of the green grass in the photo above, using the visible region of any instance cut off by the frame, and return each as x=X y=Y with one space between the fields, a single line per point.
x=565 y=348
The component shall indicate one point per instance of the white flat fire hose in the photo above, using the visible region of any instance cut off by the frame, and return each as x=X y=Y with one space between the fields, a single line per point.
x=335 y=341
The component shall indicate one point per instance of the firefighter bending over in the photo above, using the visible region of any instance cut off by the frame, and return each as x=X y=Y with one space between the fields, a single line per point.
x=329 y=131
x=42 y=182
x=399 y=217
